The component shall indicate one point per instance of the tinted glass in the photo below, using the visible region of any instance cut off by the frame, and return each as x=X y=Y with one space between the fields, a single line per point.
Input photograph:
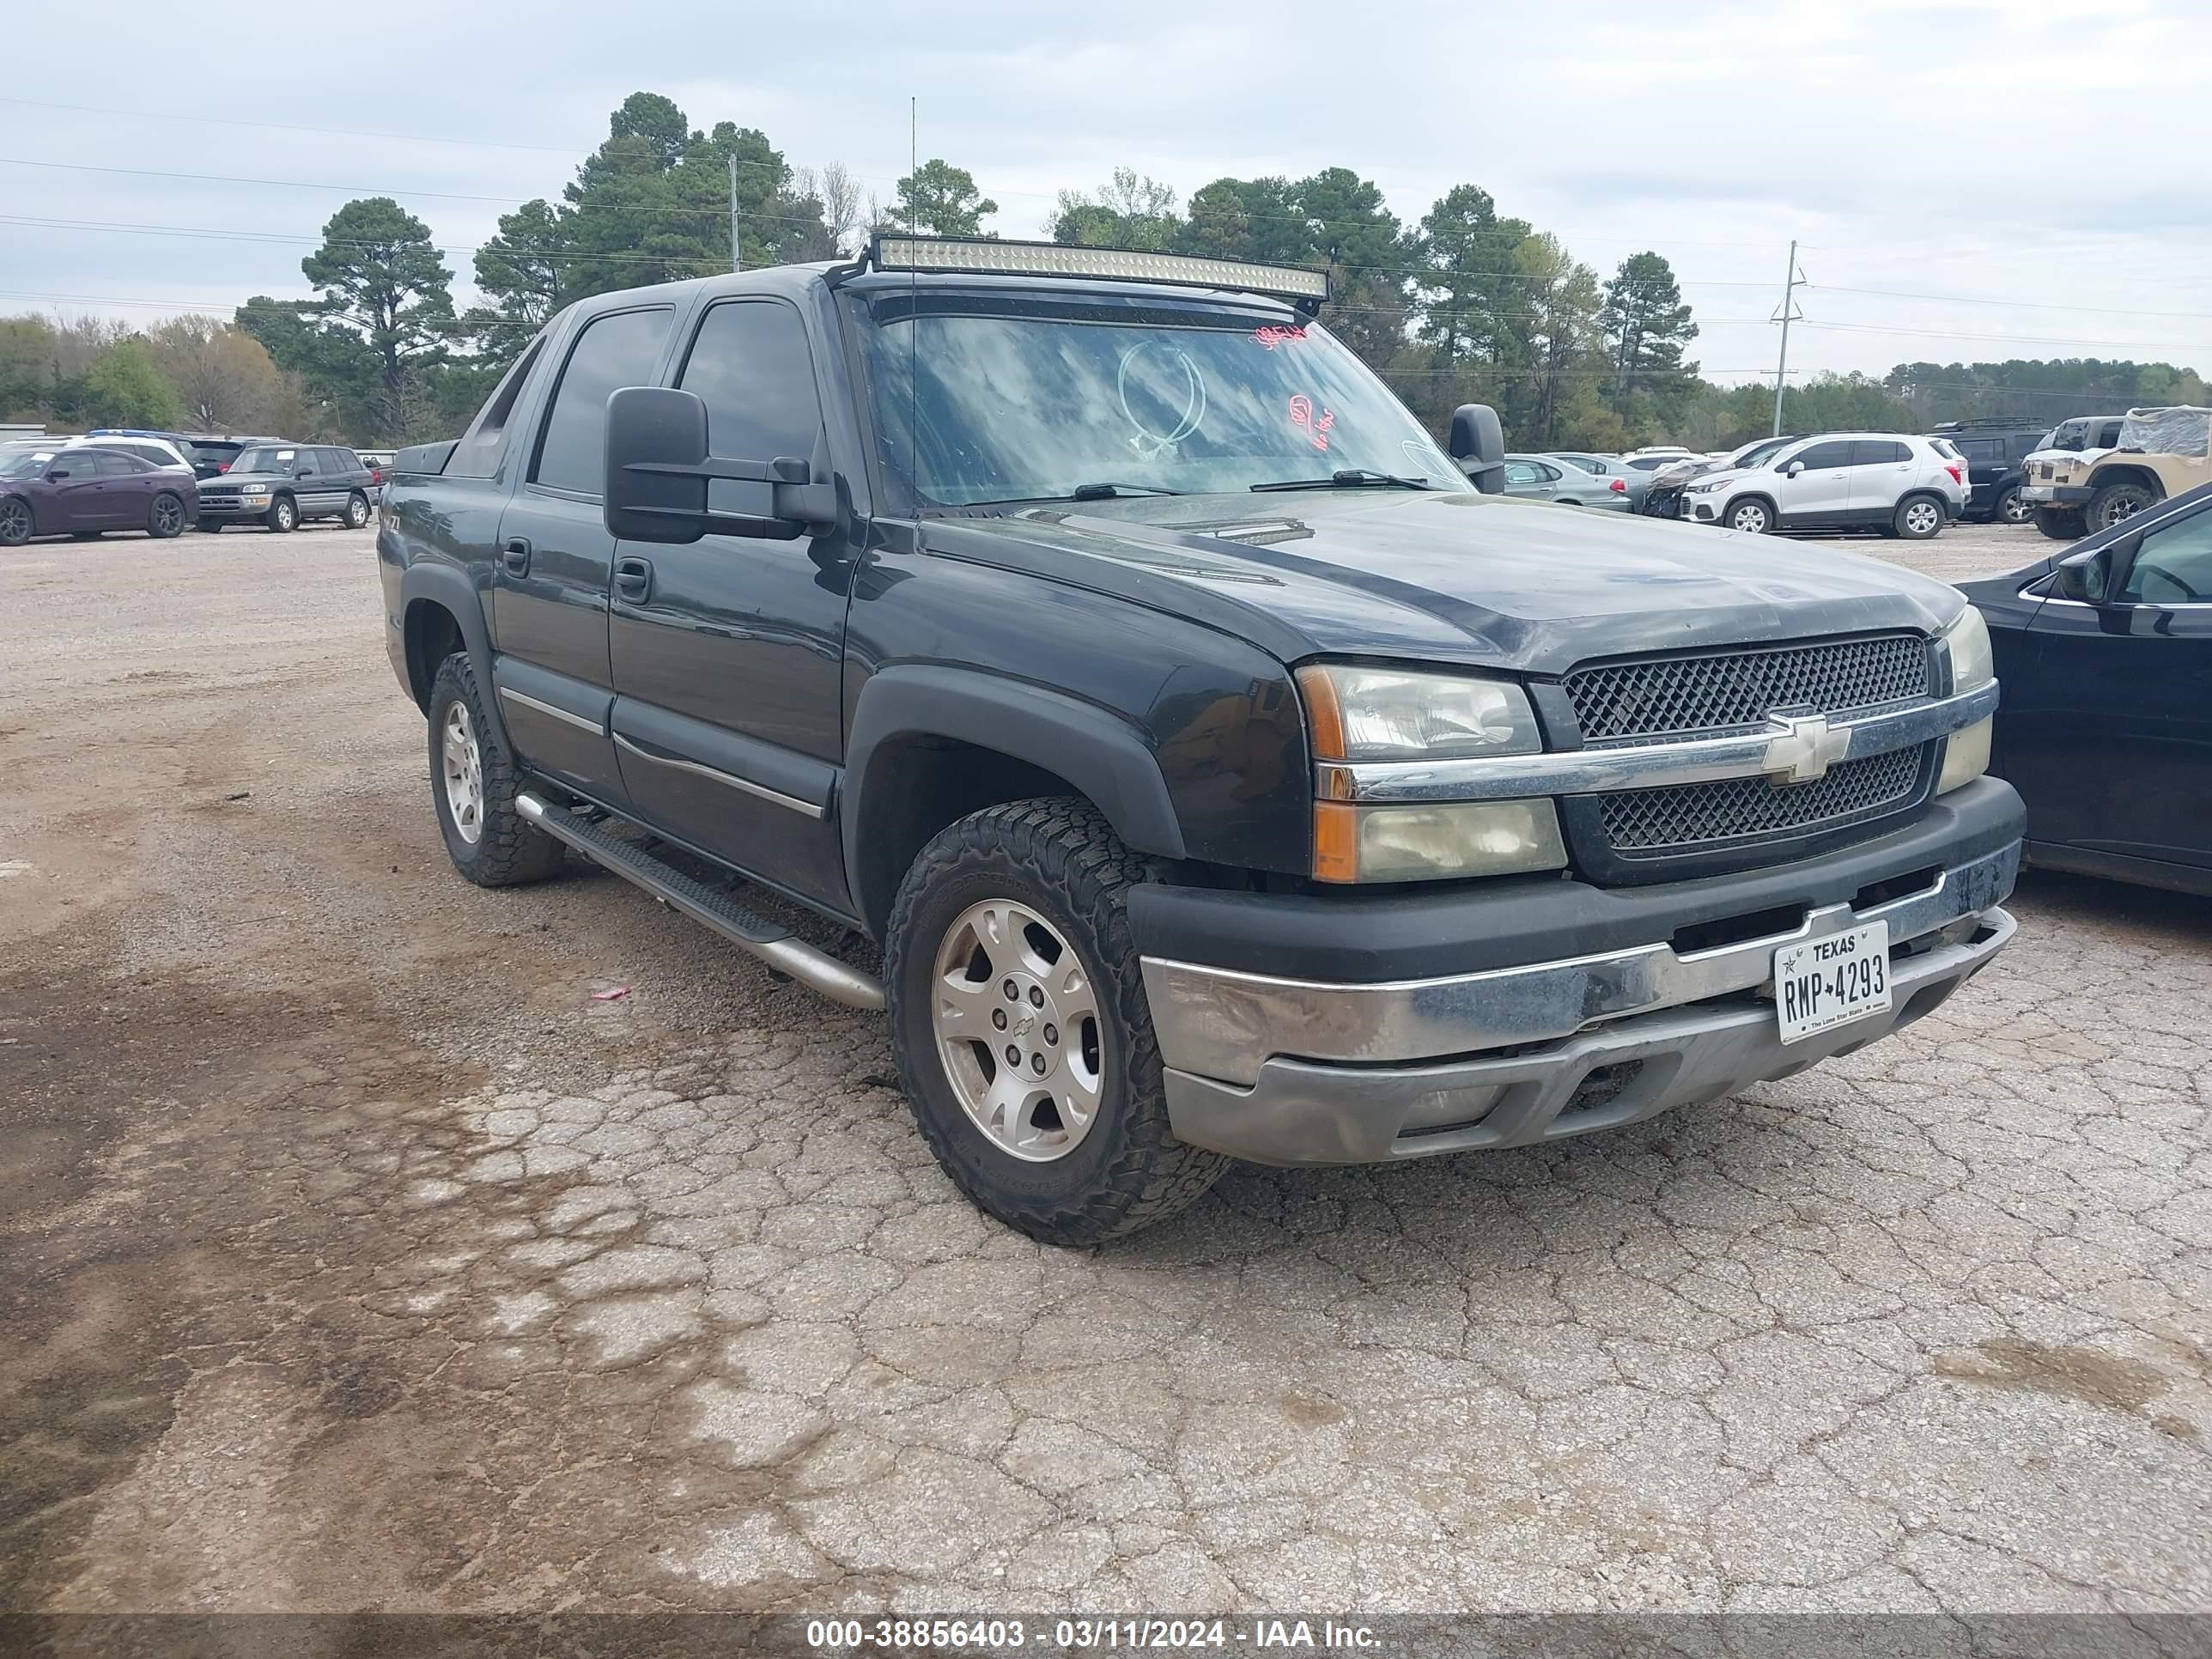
x=108 y=463
x=1520 y=472
x=622 y=350
x=220 y=454
x=2175 y=564
x=480 y=452
x=1873 y=451
x=1823 y=455
x=750 y=366
x=1982 y=452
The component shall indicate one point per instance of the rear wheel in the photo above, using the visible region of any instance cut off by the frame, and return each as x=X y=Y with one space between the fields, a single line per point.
x=2012 y=507
x=1021 y=1031
x=2117 y=501
x=2061 y=524
x=15 y=521
x=473 y=784
x=166 y=518
x=283 y=516
x=1918 y=518
x=356 y=512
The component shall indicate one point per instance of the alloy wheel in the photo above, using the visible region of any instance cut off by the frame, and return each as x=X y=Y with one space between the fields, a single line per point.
x=463 y=765
x=1923 y=519
x=168 y=516
x=1019 y=1030
x=14 y=523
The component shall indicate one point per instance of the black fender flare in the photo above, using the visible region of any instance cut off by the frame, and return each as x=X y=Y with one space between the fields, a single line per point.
x=450 y=589
x=1098 y=752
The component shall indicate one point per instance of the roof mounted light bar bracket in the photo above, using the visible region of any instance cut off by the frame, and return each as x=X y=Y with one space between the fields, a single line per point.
x=988 y=256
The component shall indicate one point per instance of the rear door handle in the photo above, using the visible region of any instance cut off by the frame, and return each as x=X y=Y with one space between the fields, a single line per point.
x=634 y=578
x=516 y=556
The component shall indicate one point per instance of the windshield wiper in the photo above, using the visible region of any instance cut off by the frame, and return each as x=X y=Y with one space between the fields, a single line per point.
x=1107 y=492
x=1350 y=479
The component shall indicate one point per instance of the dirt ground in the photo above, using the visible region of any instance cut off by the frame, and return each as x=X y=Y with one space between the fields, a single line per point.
x=353 y=1257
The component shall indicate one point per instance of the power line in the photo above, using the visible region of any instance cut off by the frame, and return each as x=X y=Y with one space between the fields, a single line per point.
x=281 y=126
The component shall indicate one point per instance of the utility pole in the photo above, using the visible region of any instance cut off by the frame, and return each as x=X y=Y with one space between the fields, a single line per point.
x=737 y=258
x=1782 y=364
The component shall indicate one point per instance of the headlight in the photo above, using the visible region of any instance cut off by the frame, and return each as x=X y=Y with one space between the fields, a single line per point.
x=1968 y=638
x=255 y=489
x=1359 y=715
x=1707 y=489
x=1966 y=756
x=1435 y=841
x=1390 y=714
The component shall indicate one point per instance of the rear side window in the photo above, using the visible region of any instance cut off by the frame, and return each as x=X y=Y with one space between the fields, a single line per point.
x=483 y=446
x=620 y=349
x=1875 y=451
x=343 y=460
x=750 y=366
x=1987 y=451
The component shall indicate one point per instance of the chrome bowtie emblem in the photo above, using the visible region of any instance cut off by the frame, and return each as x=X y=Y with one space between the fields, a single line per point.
x=1804 y=748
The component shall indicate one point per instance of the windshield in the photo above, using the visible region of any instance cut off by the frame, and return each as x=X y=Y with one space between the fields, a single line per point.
x=1013 y=407
x=24 y=462
x=264 y=460
x=1761 y=452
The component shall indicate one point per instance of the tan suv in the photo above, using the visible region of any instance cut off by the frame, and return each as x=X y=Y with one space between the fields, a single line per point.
x=2159 y=452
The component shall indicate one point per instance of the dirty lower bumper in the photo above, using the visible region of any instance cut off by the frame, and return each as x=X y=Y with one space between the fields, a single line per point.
x=1292 y=1072
x=2055 y=494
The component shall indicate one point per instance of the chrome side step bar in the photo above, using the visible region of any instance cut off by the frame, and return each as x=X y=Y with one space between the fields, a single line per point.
x=816 y=969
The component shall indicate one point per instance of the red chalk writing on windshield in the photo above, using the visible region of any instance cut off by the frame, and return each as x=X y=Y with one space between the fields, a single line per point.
x=1315 y=426
x=1271 y=336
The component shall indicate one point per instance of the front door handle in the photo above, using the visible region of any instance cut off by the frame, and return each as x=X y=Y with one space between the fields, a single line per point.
x=634 y=578
x=516 y=556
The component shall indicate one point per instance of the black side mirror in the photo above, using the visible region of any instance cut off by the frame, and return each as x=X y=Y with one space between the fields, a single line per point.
x=1478 y=444
x=55 y=474
x=2086 y=578
x=660 y=479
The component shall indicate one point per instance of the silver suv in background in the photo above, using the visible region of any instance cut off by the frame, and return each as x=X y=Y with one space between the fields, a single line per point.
x=1888 y=481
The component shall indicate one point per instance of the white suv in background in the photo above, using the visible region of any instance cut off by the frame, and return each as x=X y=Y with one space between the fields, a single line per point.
x=1886 y=481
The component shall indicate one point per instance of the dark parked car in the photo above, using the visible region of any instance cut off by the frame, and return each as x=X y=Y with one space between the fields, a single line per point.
x=212 y=456
x=85 y=490
x=1993 y=451
x=282 y=485
x=2105 y=652
x=1222 y=776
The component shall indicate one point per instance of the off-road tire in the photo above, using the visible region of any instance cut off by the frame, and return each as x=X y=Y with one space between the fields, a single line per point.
x=1918 y=526
x=283 y=516
x=511 y=849
x=2116 y=502
x=2061 y=524
x=162 y=525
x=356 y=510
x=1061 y=858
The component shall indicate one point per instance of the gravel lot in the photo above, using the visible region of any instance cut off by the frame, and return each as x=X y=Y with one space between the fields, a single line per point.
x=353 y=1257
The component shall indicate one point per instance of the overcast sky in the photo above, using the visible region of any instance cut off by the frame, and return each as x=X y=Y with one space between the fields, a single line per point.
x=1965 y=158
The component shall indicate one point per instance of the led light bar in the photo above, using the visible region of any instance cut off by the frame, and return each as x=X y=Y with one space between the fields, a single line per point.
x=986 y=256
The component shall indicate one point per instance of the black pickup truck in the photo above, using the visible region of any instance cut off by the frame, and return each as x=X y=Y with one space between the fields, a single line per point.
x=1225 y=770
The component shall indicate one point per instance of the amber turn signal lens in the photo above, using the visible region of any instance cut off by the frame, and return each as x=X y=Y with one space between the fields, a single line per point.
x=1322 y=714
x=1336 y=842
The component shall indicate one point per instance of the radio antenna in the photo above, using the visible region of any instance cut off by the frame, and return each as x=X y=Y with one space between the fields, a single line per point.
x=914 y=299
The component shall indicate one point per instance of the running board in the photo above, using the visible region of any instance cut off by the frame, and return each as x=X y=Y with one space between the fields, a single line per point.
x=816 y=969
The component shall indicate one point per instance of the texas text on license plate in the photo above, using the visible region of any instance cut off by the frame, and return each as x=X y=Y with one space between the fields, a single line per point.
x=1822 y=983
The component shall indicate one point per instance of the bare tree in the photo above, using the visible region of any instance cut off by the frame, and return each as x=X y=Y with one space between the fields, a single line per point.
x=839 y=192
x=223 y=374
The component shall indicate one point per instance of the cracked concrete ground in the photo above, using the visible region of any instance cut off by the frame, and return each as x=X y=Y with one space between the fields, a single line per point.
x=354 y=1258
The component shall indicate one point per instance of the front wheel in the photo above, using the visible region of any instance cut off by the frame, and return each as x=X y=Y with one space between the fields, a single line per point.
x=15 y=521
x=473 y=784
x=283 y=516
x=2061 y=524
x=166 y=518
x=1918 y=518
x=1020 y=1029
x=2116 y=502
x=356 y=512
x=1753 y=518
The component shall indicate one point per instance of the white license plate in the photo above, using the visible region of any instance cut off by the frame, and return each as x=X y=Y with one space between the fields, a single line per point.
x=2038 y=492
x=1827 y=982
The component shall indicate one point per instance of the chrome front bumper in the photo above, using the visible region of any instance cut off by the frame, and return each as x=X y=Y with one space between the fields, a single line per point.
x=1290 y=1072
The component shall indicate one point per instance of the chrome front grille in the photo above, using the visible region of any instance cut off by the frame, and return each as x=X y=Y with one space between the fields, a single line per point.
x=1670 y=697
x=1693 y=816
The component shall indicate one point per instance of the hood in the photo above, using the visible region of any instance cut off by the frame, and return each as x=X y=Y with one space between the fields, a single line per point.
x=1451 y=577
x=251 y=477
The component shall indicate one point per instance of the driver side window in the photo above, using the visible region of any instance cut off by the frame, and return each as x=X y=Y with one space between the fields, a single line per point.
x=2173 y=566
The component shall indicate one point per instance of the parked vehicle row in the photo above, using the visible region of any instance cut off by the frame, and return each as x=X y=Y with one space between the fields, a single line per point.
x=85 y=490
x=86 y=486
